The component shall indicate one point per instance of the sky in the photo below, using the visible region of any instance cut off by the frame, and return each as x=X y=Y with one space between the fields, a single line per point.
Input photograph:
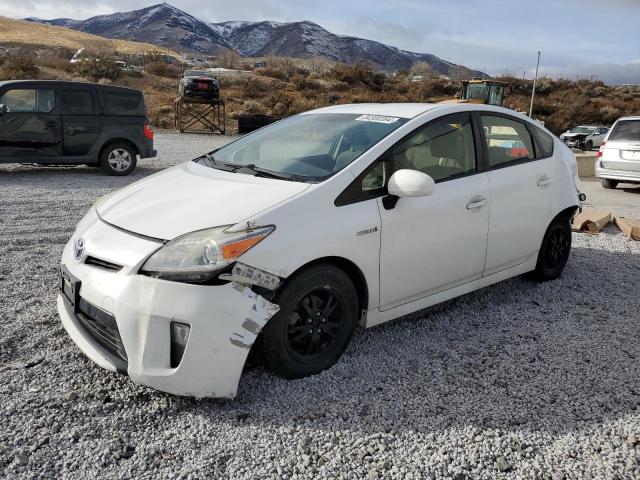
x=577 y=37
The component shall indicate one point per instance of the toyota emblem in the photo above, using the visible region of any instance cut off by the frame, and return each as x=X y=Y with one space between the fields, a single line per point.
x=78 y=249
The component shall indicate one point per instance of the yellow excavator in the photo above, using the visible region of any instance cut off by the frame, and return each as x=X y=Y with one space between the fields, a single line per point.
x=488 y=92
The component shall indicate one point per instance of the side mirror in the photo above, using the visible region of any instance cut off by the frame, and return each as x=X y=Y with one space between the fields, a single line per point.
x=411 y=183
x=3 y=109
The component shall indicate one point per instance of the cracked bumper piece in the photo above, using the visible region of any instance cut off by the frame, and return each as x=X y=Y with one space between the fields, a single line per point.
x=224 y=322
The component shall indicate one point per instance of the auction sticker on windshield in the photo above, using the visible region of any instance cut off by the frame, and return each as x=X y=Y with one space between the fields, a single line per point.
x=377 y=118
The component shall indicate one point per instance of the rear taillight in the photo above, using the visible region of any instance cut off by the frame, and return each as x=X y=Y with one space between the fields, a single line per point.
x=148 y=132
x=601 y=150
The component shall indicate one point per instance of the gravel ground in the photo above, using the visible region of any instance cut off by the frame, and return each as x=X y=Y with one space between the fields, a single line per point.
x=518 y=380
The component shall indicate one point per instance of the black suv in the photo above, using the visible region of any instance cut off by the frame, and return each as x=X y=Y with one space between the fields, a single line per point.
x=67 y=123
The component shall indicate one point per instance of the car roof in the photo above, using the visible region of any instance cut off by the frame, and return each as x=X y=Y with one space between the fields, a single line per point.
x=402 y=110
x=70 y=83
x=412 y=110
x=629 y=118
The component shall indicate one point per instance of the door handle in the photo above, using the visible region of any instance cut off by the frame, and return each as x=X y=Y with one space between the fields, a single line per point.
x=544 y=181
x=476 y=203
x=71 y=130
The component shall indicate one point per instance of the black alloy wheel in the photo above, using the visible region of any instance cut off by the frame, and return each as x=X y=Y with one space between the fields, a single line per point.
x=318 y=314
x=554 y=251
x=314 y=324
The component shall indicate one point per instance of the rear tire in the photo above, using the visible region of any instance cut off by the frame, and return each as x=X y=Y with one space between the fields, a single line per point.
x=608 y=184
x=554 y=251
x=318 y=315
x=118 y=159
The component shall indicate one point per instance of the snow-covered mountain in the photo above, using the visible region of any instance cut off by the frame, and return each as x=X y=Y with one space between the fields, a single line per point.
x=168 y=26
x=163 y=25
x=308 y=39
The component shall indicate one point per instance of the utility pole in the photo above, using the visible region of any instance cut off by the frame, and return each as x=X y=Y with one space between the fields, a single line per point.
x=535 y=81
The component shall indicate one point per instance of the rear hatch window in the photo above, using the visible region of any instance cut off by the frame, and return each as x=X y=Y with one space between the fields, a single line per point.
x=129 y=104
x=626 y=131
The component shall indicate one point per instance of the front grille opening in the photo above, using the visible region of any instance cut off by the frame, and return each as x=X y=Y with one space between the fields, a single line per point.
x=96 y=262
x=102 y=327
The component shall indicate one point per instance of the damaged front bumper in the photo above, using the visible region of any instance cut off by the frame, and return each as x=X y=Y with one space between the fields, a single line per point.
x=223 y=320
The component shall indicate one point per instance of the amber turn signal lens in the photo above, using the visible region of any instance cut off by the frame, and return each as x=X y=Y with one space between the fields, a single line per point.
x=234 y=250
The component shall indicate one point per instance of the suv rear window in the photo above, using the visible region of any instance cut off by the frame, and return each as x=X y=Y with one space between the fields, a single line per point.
x=116 y=103
x=626 y=131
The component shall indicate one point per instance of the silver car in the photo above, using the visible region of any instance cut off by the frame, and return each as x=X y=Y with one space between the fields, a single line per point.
x=619 y=156
x=585 y=137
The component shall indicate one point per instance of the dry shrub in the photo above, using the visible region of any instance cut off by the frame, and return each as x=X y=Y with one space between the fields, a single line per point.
x=252 y=107
x=162 y=69
x=19 y=66
x=305 y=84
x=162 y=117
x=253 y=87
x=282 y=69
x=359 y=73
x=97 y=66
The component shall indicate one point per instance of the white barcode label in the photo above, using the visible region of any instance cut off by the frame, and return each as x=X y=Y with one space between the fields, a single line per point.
x=377 y=119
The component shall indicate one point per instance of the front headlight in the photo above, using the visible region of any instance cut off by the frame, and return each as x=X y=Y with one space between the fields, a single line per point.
x=198 y=256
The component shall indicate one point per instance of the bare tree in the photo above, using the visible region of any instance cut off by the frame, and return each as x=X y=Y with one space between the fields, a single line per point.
x=229 y=58
x=423 y=69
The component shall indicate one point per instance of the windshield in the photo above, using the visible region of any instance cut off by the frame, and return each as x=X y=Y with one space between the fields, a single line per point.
x=585 y=130
x=476 y=91
x=309 y=147
x=626 y=131
x=198 y=73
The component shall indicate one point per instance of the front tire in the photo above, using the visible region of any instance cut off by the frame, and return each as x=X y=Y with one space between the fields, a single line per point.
x=554 y=251
x=118 y=159
x=589 y=146
x=608 y=184
x=318 y=315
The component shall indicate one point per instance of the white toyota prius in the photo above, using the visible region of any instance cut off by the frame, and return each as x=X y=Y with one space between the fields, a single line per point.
x=289 y=237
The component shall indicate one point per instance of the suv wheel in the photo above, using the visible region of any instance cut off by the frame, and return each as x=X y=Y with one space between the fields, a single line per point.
x=554 y=251
x=317 y=317
x=609 y=184
x=118 y=159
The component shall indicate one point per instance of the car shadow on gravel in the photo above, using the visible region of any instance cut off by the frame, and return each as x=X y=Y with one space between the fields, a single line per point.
x=26 y=173
x=556 y=357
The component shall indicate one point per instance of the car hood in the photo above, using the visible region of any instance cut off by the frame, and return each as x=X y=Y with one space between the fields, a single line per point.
x=190 y=197
x=575 y=135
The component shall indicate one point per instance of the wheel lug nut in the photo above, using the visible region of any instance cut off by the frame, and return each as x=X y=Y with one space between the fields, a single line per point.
x=309 y=321
x=318 y=314
x=324 y=320
x=311 y=331
x=319 y=330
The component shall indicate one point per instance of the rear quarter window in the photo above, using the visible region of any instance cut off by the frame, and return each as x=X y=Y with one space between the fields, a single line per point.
x=544 y=142
x=626 y=131
x=116 y=103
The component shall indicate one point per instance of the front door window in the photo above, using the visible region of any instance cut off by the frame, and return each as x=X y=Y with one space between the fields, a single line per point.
x=29 y=100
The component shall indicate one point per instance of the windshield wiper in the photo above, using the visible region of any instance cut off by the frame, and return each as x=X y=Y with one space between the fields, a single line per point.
x=263 y=172
x=258 y=171
x=213 y=163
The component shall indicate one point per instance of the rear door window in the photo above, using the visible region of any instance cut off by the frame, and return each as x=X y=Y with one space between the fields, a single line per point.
x=116 y=103
x=77 y=102
x=508 y=141
x=626 y=131
x=29 y=100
